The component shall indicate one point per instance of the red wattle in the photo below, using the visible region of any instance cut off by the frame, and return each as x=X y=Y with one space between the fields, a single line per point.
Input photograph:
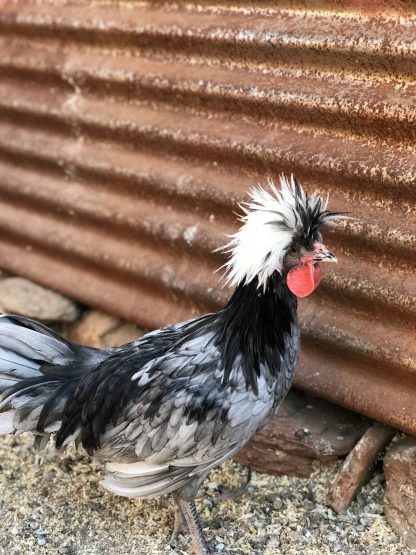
x=303 y=280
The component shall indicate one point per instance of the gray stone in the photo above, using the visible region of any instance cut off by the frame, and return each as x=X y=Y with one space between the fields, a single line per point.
x=102 y=330
x=23 y=297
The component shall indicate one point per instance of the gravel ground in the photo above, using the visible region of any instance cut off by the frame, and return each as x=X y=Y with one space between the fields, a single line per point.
x=52 y=504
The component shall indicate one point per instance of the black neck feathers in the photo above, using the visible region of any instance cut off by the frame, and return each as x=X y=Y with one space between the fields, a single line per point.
x=254 y=327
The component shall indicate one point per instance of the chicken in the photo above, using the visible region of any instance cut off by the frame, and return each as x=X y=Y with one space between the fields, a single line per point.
x=164 y=410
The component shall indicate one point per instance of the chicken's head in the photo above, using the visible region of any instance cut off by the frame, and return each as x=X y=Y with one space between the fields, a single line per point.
x=281 y=232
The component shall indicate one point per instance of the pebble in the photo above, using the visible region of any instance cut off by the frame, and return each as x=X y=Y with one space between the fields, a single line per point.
x=277 y=504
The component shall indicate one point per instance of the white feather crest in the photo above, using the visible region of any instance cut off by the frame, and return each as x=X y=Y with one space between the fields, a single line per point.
x=271 y=220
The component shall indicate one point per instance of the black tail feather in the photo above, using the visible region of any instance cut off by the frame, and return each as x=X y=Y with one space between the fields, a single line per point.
x=39 y=372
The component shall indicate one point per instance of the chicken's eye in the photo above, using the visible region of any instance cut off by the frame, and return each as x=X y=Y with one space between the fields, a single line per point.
x=292 y=250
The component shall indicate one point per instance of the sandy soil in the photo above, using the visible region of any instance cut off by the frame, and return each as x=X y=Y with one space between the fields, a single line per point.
x=52 y=504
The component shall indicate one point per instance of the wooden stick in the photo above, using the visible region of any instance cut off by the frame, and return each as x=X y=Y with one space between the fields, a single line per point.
x=356 y=470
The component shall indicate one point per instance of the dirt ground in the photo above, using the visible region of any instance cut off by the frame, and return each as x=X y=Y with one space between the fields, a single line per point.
x=52 y=504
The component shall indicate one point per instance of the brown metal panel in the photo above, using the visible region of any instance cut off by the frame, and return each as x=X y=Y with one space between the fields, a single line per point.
x=129 y=130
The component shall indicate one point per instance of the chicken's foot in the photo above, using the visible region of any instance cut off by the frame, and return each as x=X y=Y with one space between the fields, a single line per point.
x=188 y=509
x=180 y=526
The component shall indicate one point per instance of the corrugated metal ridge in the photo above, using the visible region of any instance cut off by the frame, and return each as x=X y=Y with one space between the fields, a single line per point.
x=371 y=241
x=179 y=230
x=189 y=135
x=394 y=238
x=287 y=29
x=43 y=146
x=293 y=98
x=128 y=133
x=409 y=237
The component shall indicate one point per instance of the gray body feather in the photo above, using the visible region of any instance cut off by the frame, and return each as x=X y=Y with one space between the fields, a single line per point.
x=176 y=419
x=177 y=447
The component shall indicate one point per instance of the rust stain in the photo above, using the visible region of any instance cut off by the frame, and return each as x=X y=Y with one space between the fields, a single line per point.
x=129 y=130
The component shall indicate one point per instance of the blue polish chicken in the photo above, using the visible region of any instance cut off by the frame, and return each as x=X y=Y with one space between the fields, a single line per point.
x=164 y=410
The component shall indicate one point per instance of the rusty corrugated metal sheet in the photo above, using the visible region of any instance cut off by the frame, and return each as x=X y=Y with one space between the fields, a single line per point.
x=128 y=130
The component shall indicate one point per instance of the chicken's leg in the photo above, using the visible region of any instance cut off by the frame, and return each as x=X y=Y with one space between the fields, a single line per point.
x=199 y=543
x=180 y=526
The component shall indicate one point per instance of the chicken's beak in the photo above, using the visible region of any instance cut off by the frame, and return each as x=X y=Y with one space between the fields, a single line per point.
x=322 y=254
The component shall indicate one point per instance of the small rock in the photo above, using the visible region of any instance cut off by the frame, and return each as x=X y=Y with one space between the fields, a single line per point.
x=277 y=504
x=67 y=550
x=23 y=297
x=124 y=333
x=400 y=496
x=102 y=330
x=93 y=326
